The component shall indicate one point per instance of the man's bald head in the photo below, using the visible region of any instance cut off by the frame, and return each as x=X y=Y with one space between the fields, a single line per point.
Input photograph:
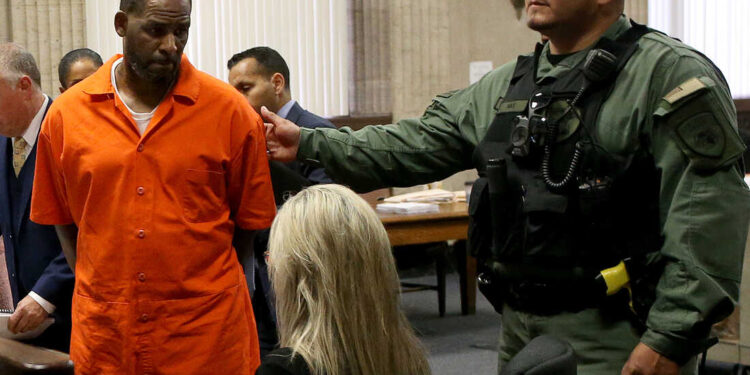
x=135 y=6
x=16 y=62
x=21 y=95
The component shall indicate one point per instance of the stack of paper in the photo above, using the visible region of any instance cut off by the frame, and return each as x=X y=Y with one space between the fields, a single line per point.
x=4 y=333
x=432 y=195
x=407 y=208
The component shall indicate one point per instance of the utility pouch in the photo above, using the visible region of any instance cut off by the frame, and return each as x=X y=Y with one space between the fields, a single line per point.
x=480 y=220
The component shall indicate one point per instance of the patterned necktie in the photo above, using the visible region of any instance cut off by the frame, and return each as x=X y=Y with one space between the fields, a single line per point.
x=6 y=300
x=19 y=154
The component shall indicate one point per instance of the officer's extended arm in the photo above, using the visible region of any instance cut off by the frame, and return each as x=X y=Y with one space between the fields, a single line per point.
x=410 y=152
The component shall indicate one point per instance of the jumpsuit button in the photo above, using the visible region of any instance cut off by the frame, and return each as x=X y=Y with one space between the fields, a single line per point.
x=144 y=318
x=141 y=233
x=141 y=277
x=140 y=147
x=141 y=190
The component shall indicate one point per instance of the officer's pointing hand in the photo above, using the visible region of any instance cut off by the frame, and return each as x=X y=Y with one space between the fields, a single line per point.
x=282 y=137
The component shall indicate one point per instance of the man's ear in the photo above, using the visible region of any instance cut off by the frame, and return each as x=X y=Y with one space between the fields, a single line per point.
x=121 y=23
x=25 y=83
x=62 y=90
x=278 y=82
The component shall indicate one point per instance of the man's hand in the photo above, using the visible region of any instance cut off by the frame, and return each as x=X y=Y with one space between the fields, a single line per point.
x=645 y=361
x=28 y=315
x=282 y=137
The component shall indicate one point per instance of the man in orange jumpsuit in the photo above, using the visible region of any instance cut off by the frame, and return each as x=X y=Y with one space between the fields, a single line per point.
x=150 y=169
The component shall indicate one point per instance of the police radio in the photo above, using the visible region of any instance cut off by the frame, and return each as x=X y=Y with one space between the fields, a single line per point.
x=528 y=131
x=534 y=130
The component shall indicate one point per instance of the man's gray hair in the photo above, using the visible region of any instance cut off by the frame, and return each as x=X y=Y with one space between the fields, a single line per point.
x=16 y=62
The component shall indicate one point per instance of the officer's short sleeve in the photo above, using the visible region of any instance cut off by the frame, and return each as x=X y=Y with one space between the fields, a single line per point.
x=49 y=202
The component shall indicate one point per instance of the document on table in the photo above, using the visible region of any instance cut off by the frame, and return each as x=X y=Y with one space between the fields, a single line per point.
x=425 y=196
x=4 y=333
x=407 y=208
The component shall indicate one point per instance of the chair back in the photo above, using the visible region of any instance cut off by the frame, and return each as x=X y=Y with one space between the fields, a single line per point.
x=544 y=355
x=17 y=358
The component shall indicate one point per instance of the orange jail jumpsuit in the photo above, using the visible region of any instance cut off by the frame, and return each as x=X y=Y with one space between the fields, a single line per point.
x=159 y=289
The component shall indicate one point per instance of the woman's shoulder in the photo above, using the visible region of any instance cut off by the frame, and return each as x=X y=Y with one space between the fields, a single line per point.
x=281 y=362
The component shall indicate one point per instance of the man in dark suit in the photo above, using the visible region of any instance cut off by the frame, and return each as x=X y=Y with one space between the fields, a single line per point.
x=34 y=276
x=262 y=76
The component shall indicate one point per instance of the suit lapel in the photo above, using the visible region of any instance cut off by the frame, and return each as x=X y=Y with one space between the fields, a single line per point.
x=26 y=179
x=294 y=113
x=4 y=192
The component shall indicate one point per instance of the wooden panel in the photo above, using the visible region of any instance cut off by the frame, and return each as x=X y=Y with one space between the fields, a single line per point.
x=48 y=29
x=370 y=49
x=416 y=232
x=5 y=31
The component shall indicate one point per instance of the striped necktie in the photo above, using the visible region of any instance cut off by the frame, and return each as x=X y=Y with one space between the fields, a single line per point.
x=19 y=154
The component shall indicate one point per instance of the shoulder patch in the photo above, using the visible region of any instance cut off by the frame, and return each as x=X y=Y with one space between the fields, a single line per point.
x=702 y=135
x=702 y=126
x=684 y=89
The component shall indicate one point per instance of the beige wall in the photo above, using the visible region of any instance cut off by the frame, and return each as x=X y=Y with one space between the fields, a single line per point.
x=435 y=40
x=637 y=10
x=432 y=43
x=370 y=48
x=47 y=28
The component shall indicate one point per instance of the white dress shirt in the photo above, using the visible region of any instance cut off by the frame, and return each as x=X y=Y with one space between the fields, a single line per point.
x=284 y=110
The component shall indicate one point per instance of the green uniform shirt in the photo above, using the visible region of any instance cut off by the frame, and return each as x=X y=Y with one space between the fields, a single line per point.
x=669 y=100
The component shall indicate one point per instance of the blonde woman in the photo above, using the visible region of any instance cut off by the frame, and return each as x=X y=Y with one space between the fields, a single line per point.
x=337 y=291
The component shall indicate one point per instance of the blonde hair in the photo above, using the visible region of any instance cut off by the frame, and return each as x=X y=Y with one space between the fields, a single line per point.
x=337 y=290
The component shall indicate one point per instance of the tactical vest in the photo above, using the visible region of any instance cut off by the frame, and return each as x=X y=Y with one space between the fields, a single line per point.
x=605 y=211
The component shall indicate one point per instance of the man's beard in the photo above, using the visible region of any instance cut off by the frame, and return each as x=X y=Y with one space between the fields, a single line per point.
x=140 y=67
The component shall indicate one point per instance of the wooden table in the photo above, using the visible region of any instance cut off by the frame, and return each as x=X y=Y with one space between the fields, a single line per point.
x=451 y=223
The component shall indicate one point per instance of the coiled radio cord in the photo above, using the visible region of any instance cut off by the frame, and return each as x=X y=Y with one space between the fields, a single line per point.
x=550 y=138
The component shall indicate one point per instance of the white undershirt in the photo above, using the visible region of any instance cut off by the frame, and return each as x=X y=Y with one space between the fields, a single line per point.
x=141 y=119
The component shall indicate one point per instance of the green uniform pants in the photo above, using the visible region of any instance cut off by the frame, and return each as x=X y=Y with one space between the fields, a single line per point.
x=601 y=343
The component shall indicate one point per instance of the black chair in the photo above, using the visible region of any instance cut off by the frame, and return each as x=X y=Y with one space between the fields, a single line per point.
x=544 y=355
x=439 y=251
x=17 y=358
x=724 y=368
